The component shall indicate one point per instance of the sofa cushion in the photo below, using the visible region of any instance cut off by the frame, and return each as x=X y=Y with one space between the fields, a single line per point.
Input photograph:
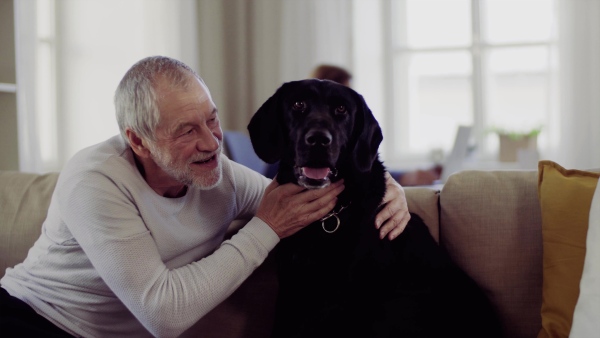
x=587 y=310
x=24 y=201
x=565 y=200
x=490 y=224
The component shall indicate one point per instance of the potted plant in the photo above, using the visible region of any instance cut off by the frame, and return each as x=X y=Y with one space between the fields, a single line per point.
x=512 y=141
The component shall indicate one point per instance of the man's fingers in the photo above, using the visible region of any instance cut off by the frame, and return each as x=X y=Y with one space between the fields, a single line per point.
x=394 y=226
x=309 y=199
x=323 y=200
x=317 y=203
x=287 y=208
x=332 y=190
x=395 y=218
x=321 y=211
x=397 y=230
x=387 y=213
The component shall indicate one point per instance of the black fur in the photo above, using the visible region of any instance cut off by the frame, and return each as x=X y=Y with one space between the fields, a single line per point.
x=350 y=283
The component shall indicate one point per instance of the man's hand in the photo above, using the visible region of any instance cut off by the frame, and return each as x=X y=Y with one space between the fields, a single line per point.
x=288 y=208
x=392 y=219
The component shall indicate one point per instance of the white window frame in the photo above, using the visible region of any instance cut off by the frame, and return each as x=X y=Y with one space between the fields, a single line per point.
x=394 y=116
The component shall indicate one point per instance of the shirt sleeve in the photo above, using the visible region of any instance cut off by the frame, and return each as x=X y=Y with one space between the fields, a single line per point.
x=108 y=227
x=249 y=189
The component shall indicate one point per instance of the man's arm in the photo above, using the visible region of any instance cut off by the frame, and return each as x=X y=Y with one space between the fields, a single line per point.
x=108 y=227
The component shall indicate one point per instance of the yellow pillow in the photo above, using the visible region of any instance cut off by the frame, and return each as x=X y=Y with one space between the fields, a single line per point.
x=565 y=199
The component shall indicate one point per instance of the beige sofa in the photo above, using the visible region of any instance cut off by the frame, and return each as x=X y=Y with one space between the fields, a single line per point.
x=489 y=222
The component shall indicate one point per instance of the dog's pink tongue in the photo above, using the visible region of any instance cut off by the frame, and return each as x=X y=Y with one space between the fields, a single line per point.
x=315 y=173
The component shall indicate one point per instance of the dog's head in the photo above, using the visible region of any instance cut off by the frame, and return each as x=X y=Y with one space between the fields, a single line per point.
x=313 y=126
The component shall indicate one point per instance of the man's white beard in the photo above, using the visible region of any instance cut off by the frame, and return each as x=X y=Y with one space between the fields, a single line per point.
x=183 y=173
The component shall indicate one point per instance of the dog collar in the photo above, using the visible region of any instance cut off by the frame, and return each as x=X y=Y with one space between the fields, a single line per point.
x=335 y=214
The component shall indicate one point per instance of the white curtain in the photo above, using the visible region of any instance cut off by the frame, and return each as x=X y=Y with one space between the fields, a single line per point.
x=579 y=115
x=94 y=42
x=315 y=32
x=30 y=158
x=249 y=48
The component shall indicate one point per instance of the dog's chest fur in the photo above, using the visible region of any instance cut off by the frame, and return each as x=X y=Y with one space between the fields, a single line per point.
x=360 y=201
x=316 y=266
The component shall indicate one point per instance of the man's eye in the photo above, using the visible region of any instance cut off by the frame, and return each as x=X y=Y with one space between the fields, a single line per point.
x=299 y=106
x=341 y=109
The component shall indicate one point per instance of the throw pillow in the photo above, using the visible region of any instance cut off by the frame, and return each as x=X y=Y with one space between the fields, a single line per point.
x=587 y=311
x=565 y=198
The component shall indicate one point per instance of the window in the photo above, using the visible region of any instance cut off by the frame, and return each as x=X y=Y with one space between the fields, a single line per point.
x=71 y=61
x=485 y=63
x=45 y=91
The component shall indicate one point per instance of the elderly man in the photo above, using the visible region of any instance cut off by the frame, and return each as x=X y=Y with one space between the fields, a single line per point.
x=133 y=241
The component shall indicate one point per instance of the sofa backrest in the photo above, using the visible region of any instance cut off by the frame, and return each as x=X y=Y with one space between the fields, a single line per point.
x=25 y=197
x=490 y=223
x=24 y=201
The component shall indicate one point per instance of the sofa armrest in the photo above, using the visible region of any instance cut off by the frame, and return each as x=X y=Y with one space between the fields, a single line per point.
x=424 y=202
x=24 y=201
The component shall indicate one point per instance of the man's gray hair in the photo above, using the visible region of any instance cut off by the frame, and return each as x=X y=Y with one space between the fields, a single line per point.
x=136 y=97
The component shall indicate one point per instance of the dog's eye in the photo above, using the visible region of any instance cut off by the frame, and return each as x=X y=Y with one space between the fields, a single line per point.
x=341 y=109
x=299 y=106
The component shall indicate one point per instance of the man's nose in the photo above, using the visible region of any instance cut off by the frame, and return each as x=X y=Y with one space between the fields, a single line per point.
x=207 y=141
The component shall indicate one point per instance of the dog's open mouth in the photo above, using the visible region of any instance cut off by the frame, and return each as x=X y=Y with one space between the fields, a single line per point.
x=314 y=178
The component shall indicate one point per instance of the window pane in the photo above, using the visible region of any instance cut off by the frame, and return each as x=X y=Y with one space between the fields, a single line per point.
x=509 y=21
x=439 y=99
x=44 y=19
x=45 y=84
x=45 y=104
x=517 y=90
x=433 y=23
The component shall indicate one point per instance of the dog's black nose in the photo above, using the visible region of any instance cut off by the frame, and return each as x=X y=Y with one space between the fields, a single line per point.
x=318 y=137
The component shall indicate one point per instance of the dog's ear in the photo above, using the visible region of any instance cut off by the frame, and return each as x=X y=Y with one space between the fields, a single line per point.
x=266 y=129
x=367 y=135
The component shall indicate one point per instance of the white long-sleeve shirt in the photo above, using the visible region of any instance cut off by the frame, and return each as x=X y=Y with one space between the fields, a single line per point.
x=116 y=259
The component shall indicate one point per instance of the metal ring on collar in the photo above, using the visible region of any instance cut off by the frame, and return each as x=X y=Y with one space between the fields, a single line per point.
x=337 y=226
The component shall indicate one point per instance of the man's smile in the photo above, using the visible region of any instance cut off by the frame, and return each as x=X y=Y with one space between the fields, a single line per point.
x=208 y=163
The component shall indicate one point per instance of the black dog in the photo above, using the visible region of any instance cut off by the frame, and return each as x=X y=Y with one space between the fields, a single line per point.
x=336 y=277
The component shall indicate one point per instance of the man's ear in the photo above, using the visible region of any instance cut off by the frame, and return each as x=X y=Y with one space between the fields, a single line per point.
x=138 y=144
